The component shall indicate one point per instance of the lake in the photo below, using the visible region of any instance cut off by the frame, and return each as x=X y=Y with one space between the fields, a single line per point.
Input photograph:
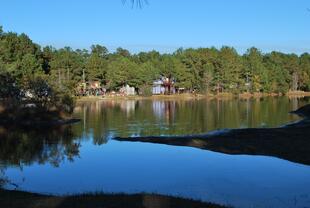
x=84 y=157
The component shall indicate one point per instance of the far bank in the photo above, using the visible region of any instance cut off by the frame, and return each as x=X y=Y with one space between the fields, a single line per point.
x=185 y=96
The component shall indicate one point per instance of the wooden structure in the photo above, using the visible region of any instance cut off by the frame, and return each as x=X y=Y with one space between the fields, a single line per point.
x=164 y=85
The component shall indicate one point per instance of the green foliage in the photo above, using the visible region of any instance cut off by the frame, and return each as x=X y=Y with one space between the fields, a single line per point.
x=9 y=88
x=122 y=52
x=66 y=66
x=47 y=102
x=96 y=64
x=305 y=72
x=254 y=70
x=146 y=91
x=46 y=97
x=207 y=70
x=99 y=50
x=28 y=66
x=122 y=71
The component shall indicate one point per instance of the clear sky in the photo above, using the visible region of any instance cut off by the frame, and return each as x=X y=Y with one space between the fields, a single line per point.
x=163 y=25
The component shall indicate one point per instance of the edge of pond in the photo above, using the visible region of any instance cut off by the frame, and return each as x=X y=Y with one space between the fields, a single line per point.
x=16 y=199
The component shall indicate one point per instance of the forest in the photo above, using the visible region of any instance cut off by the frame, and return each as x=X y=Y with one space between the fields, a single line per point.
x=25 y=65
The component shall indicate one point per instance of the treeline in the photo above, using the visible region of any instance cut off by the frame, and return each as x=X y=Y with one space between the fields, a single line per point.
x=27 y=91
x=206 y=70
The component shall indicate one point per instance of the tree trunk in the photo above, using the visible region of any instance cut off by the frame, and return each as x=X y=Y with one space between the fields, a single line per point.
x=295 y=81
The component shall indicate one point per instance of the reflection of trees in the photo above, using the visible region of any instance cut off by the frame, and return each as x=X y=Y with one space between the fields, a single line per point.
x=3 y=179
x=109 y=118
x=19 y=148
x=290 y=143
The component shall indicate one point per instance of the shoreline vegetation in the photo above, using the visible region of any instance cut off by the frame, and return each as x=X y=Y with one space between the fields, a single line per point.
x=38 y=84
x=18 y=199
x=34 y=101
x=220 y=72
x=25 y=114
x=290 y=142
x=296 y=94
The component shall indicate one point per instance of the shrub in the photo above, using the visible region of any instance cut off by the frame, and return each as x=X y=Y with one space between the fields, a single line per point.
x=35 y=99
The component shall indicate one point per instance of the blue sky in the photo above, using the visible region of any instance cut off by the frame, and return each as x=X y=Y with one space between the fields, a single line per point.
x=163 y=25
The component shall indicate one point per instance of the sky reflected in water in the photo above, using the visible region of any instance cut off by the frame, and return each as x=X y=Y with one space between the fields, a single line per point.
x=84 y=159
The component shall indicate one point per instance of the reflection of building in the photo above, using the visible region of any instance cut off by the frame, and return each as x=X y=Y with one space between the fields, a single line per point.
x=164 y=110
x=128 y=106
x=158 y=108
x=164 y=85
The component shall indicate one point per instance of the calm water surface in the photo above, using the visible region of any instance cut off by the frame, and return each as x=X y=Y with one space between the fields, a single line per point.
x=84 y=157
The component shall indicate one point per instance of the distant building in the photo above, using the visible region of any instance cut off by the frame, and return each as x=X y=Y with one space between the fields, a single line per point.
x=90 y=88
x=164 y=85
x=94 y=85
x=158 y=87
x=127 y=90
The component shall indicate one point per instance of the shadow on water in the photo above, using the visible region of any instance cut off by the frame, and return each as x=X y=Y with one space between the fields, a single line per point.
x=285 y=143
x=22 y=147
x=125 y=119
x=291 y=142
x=50 y=145
x=101 y=121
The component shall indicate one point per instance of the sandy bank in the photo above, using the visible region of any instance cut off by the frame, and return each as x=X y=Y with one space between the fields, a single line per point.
x=221 y=96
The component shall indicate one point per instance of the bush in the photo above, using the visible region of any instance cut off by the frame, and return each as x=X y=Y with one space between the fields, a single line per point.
x=35 y=99
x=9 y=88
x=145 y=91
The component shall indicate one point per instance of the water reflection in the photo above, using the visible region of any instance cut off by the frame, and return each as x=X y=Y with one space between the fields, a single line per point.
x=20 y=148
x=164 y=111
x=286 y=143
x=108 y=118
x=62 y=160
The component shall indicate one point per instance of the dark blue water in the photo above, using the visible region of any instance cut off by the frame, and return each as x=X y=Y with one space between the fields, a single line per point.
x=103 y=164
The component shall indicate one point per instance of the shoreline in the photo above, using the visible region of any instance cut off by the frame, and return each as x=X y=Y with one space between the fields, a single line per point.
x=289 y=142
x=16 y=199
x=188 y=96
